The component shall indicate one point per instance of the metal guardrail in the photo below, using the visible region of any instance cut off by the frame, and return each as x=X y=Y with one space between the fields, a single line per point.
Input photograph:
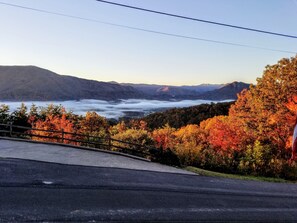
x=105 y=143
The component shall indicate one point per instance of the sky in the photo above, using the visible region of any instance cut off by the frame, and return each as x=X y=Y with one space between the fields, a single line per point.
x=102 y=52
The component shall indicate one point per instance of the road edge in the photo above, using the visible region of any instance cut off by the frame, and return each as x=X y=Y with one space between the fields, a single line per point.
x=76 y=147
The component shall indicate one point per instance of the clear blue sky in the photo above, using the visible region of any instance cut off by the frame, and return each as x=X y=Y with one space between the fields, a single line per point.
x=107 y=53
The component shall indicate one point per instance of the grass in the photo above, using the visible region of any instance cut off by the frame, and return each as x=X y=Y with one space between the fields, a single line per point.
x=234 y=176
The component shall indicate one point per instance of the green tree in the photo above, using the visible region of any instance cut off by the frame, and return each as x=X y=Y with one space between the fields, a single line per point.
x=4 y=114
x=20 y=116
x=51 y=109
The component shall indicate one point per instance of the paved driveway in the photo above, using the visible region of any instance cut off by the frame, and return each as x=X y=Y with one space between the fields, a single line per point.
x=74 y=156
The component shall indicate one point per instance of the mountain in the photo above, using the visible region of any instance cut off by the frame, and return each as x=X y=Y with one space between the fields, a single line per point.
x=204 y=91
x=30 y=83
x=202 y=88
x=229 y=91
x=23 y=83
x=173 y=92
x=147 y=89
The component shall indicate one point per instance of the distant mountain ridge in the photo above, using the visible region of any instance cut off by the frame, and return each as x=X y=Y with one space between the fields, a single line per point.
x=24 y=83
x=228 y=91
x=155 y=89
x=203 y=91
x=30 y=83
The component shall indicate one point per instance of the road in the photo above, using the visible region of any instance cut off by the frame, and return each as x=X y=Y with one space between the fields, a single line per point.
x=50 y=192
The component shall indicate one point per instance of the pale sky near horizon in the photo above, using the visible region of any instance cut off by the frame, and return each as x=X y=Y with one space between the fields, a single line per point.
x=102 y=52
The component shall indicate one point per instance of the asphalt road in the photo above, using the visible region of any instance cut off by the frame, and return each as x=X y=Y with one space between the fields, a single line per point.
x=48 y=192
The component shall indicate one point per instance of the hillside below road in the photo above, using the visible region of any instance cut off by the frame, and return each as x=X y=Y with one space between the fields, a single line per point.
x=54 y=192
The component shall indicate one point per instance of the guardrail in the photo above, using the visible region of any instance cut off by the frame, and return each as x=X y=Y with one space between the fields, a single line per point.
x=105 y=143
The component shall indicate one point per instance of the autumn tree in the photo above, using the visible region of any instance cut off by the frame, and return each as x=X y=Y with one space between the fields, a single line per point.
x=264 y=108
x=134 y=141
x=93 y=124
x=164 y=137
x=292 y=115
x=137 y=124
x=118 y=128
x=53 y=128
x=224 y=133
x=164 y=142
x=227 y=139
x=243 y=112
x=95 y=129
x=189 y=141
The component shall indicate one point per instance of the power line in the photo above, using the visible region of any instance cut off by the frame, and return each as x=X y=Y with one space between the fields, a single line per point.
x=146 y=30
x=199 y=20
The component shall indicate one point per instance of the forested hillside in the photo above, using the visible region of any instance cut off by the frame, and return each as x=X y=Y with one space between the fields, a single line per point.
x=179 y=117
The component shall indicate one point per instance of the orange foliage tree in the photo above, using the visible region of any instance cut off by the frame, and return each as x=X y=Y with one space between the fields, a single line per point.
x=164 y=137
x=54 y=129
x=267 y=107
x=118 y=128
x=224 y=132
x=291 y=116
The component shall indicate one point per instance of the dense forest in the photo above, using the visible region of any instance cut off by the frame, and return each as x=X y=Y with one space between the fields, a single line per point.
x=179 y=117
x=254 y=137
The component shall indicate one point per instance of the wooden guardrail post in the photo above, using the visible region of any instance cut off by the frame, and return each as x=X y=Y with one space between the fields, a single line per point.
x=88 y=139
x=62 y=132
x=10 y=129
x=109 y=143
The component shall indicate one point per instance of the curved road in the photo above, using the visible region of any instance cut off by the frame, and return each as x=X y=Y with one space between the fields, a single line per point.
x=50 y=192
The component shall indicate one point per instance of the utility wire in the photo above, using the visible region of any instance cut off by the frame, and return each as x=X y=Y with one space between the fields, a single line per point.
x=146 y=30
x=199 y=20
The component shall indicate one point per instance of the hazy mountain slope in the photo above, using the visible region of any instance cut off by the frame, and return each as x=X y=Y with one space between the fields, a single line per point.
x=202 y=88
x=229 y=91
x=25 y=83
x=178 y=92
x=34 y=83
x=147 y=89
x=203 y=91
